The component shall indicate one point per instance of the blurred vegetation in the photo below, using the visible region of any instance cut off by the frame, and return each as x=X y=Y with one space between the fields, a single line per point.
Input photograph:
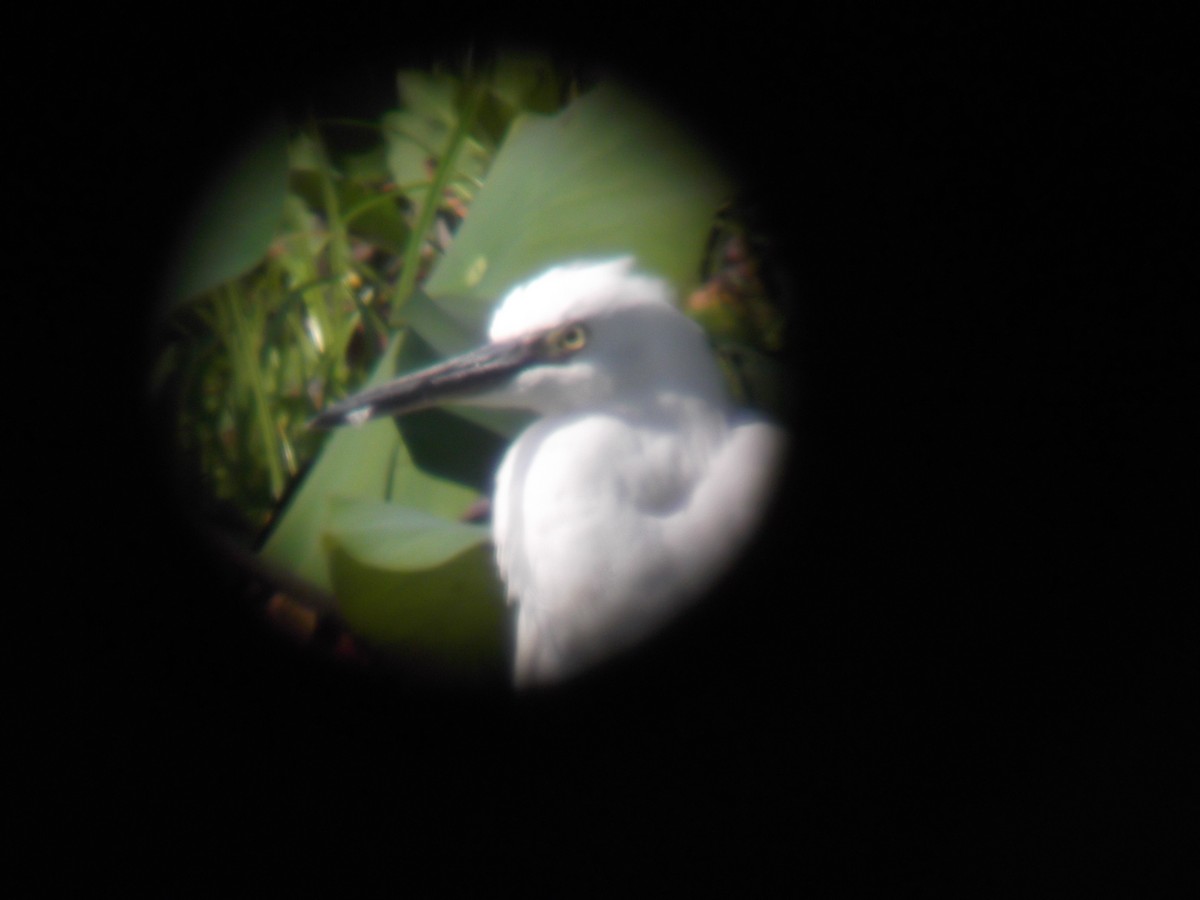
x=285 y=286
x=315 y=266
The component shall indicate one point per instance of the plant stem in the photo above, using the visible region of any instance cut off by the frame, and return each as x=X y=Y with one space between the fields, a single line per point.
x=246 y=359
x=429 y=205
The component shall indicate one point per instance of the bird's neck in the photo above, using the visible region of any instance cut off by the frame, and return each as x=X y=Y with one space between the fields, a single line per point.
x=699 y=421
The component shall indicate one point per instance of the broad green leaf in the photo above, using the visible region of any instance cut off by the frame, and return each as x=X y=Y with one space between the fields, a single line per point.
x=450 y=445
x=355 y=463
x=236 y=219
x=440 y=329
x=450 y=615
x=608 y=175
x=431 y=472
x=399 y=538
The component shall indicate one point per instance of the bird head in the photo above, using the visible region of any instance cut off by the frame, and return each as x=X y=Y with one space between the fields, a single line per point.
x=584 y=335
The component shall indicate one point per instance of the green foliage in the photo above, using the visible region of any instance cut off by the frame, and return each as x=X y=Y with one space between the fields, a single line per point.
x=236 y=219
x=384 y=555
x=362 y=272
x=606 y=176
x=447 y=615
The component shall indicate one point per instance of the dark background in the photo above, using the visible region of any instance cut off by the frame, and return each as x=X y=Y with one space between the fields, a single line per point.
x=958 y=655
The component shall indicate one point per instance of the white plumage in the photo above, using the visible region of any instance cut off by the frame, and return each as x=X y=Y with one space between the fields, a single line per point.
x=637 y=484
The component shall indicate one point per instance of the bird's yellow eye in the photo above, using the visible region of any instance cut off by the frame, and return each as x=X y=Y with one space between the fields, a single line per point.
x=567 y=340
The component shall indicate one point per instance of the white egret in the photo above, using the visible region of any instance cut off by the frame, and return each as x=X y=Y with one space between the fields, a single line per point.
x=638 y=483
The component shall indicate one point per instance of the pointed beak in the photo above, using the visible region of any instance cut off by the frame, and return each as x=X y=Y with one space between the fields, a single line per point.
x=462 y=377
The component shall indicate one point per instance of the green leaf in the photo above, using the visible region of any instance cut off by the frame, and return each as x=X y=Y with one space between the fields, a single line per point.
x=369 y=166
x=608 y=175
x=459 y=443
x=434 y=475
x=363 y=463
x=451 y=446
x=398 y=538
x=526 y=82
x=353 y=463
x=451 y=615
x=421 y=130
x=364 y=210
x=237 y=218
